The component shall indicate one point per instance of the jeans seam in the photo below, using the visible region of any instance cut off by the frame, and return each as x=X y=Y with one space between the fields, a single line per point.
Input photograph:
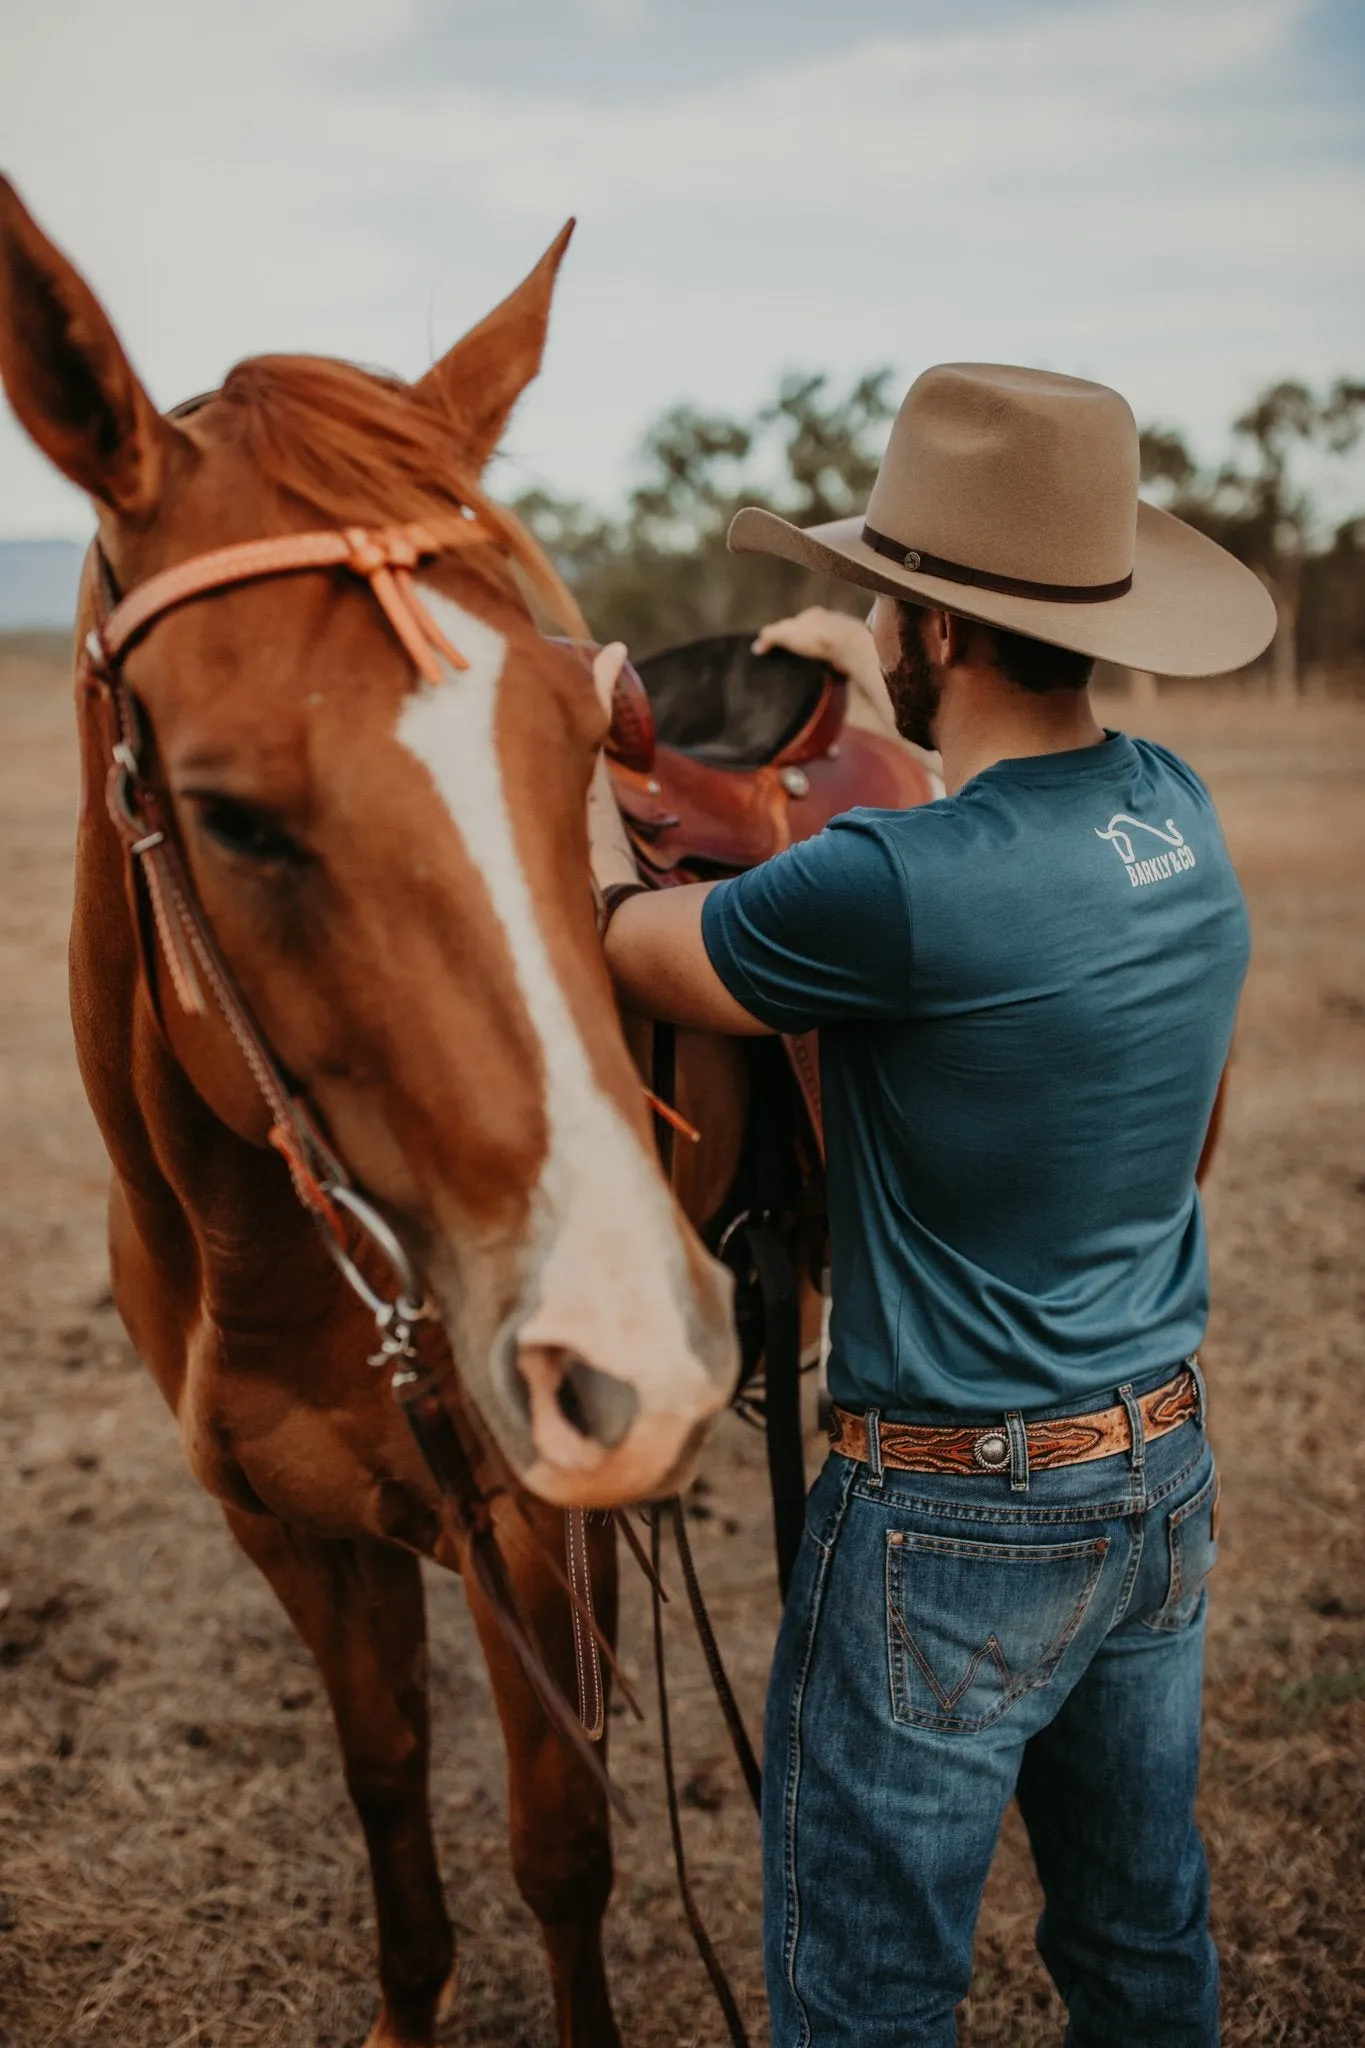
x=792 y=1789
x=1130 y=1576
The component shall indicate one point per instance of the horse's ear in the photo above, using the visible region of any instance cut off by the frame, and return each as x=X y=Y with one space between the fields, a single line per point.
x=66 y=376
x=477 y=382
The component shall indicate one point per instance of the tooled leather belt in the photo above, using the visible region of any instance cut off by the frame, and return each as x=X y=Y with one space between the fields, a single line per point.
x=985 y=1448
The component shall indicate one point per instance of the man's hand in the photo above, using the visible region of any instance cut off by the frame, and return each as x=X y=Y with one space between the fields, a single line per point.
x=608 y=846
x=607 y=664
x=836 y=638
x=844 y=644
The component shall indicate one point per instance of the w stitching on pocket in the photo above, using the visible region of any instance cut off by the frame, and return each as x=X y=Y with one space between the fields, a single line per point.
x=948 y=1700
x=898 y=1542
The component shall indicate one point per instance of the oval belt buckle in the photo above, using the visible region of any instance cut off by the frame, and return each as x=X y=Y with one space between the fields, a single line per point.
x=991 y=1451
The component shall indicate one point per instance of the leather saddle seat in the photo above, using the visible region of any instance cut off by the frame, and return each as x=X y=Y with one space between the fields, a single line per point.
x=721 y=757
x=718 y=701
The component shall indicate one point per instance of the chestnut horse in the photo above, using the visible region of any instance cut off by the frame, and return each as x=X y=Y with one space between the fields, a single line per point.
x=395 y=873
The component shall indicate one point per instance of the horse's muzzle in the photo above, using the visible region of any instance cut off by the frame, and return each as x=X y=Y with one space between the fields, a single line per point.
x=594 y=1445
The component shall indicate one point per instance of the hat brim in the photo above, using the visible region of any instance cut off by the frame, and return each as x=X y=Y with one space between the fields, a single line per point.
x=1193 y=609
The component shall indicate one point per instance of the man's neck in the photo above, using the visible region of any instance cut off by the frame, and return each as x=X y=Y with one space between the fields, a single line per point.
x=983 y=719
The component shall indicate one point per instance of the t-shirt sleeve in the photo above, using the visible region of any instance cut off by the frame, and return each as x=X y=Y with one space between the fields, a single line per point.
x=819 y=935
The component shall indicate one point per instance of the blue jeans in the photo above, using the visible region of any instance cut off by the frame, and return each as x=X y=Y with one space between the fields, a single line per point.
x=950 y=1643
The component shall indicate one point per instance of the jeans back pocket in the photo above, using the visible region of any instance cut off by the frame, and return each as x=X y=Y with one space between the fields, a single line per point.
x=971 y=1626
x=1192 y=1545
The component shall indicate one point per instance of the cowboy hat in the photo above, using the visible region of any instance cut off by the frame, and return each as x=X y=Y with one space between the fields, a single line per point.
x=1011 y=496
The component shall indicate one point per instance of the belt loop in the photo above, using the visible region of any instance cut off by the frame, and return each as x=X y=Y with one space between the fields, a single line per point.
x=1137 y=1441
x=1018 y=1435
x=1201 y=1392
x=873 y=1421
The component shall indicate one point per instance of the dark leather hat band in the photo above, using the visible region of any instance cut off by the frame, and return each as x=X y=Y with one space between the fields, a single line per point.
x=983 y=579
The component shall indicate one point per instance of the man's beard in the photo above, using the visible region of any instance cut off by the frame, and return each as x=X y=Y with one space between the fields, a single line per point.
x=914 y=685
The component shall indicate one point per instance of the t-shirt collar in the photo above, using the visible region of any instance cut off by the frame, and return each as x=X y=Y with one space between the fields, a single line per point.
x=1113 y=755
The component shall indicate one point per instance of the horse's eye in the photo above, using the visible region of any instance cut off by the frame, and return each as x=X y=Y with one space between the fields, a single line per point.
x=249 y=833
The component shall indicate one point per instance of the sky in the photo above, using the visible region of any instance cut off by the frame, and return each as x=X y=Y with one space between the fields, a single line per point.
x=1168 y=195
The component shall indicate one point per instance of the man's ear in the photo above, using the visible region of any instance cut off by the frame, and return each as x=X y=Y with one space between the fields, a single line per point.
x=477 y=383
x=66 y=376
x=947 y=637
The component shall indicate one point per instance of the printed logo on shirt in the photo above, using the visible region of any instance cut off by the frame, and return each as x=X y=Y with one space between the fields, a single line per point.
x=1154 y=866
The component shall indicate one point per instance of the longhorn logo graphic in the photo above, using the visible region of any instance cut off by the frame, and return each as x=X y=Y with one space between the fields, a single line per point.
x=1122 y=842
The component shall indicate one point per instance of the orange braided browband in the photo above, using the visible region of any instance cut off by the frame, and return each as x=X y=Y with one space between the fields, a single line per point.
x=385 y=558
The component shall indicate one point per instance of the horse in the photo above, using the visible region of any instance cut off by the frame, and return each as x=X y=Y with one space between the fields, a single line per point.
x=376 y=812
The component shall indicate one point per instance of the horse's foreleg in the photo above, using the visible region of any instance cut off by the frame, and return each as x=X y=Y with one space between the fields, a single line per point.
x=358 y=1606
x=561 y=1841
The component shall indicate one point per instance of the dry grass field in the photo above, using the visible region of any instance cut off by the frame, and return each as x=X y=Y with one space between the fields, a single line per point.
x=179 y=1867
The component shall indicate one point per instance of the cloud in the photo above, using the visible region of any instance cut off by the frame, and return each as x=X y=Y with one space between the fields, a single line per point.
x=1147 y=191
x=1061 y=93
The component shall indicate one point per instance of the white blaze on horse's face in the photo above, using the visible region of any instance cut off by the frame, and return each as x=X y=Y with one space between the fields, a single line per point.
x=609 y=1362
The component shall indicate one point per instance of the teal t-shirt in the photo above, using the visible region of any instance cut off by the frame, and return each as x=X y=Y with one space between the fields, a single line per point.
x=1025 y=995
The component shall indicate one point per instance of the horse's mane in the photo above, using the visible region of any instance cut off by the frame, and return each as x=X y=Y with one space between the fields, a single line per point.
x=362 y=448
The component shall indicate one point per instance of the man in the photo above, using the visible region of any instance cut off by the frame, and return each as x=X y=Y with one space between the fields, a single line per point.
x=1026 y=994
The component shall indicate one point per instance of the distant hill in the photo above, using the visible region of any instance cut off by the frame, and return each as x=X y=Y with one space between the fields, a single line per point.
x=38 y=584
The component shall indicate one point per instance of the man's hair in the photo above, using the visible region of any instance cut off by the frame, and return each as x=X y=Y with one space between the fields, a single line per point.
x=1029 y=664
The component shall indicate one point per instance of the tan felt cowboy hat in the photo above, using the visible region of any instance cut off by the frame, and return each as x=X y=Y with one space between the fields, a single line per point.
x=1011 y=496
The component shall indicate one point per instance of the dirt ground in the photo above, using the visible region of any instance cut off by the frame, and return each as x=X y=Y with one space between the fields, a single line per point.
x=179 y=1867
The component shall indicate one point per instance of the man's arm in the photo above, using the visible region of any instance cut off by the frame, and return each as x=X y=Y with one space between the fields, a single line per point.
x=658 y=960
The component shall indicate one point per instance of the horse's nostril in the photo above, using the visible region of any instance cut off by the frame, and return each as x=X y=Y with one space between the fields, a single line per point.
x=570 y=1405
x=597 y=1404
x=566 y=1399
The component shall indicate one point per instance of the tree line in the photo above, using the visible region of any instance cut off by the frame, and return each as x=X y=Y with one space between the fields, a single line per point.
x=659 y=573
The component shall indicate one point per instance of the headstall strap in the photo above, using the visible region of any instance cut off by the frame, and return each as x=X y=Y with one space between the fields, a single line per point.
x=386 y=560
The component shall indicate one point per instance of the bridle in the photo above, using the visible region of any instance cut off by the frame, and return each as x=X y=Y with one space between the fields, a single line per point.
x=385 y=559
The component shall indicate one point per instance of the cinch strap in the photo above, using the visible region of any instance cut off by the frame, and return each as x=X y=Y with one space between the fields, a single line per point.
x=985 y=579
